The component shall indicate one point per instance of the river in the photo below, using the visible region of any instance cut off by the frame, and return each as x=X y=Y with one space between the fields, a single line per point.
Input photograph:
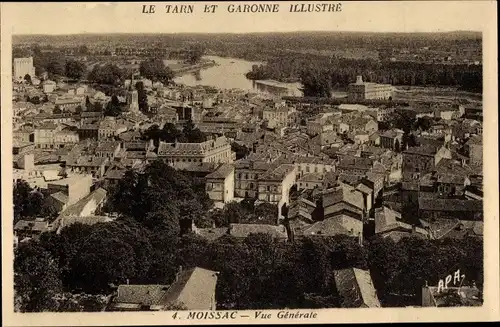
x=228 y=74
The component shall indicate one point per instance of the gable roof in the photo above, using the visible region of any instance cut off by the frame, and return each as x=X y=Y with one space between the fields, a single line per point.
x=193 y=289
x=433 y=204
x=345 y=193
x=356 y=288
x=33 y=225
x=222 y=171
x=340 y=224
x=146 y=295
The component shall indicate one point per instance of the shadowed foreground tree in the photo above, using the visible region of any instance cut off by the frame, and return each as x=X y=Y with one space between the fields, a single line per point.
x=30 y=203
x=74 y=69
x=155 y=70
x=36 y=278
x=316 y=83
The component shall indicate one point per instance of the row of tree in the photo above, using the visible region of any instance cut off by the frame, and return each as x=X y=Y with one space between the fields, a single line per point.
x=30 y=203
x=258 y=272
x=56 y=64
x=144 y=245
x=245 y=212
x=170 y=133
x=319 y=74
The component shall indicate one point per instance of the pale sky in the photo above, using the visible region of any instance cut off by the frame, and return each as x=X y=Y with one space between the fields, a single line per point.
x=376 y=16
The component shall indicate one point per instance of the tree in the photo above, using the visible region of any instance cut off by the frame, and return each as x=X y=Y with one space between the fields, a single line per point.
x=30 y=203
x=27 y=78
x=423 y=123
x=156 y=70
x=97 y=107
x=192 y=133
x=195 y=53
x=57 y=110
x=55 y=67
x=74 y=69
x=36 y=278
x=397 y=146
x=35 y=99
x=241 y=150
x=113 y=108
x=142 y=97
x=316 y=83
x=88 y=104
x=108 y=74
x=159 y=194
x=83 y=50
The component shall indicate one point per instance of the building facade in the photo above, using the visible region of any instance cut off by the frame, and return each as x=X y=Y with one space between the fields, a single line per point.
x=182 y=155
x=23 y=67
x=369 y=91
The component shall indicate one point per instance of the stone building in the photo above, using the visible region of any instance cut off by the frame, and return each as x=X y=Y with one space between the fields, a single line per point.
x=182 y=155
x=220 y=185
x=369 y=91
x=23 y=67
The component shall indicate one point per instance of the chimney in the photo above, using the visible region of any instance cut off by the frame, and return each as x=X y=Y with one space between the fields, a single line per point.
x=359 y=79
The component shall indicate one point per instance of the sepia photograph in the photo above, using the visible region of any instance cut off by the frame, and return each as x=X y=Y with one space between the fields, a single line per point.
x=239 y=160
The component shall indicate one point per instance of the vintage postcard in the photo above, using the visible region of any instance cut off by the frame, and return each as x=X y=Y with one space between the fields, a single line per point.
x=249 y=162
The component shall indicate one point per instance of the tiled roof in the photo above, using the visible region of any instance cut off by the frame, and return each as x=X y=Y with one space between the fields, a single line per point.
x=190 y=148
x=61 y=197
x=392 y=133
x=222 y=171
x=426 y=150
x=356 y=288
x=340 y=224
x=311 y=177
x=387 y=219
x=33 y=225
x=345 y=193
x=194 y=289
x=243 y=230
x=278 y=173
x=146 y=295
x=86 y=220
x=355 y=162
x=76 y=209
x=107 y=146
x=435 y=204
x=211 y=234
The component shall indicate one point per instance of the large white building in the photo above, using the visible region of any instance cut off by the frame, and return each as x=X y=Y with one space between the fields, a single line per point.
x=23 y=66
x=369 y=91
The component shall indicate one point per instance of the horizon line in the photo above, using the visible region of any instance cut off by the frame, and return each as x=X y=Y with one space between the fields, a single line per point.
x=255 y=32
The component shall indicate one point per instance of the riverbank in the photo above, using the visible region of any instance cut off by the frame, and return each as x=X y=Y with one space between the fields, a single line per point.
x=180 y=71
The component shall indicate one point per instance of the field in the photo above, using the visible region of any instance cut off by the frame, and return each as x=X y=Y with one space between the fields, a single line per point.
x=437 y=94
